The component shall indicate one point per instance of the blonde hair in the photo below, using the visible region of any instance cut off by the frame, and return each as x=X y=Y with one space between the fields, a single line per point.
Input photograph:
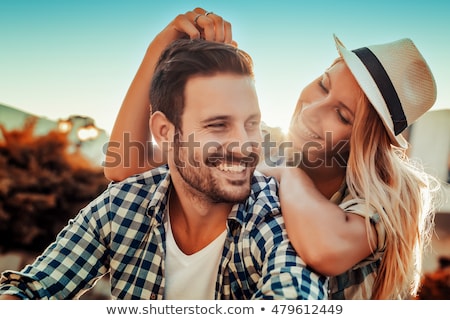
x=401 y=193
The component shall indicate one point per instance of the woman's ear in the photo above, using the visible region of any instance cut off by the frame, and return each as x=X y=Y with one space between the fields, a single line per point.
x=162 y=129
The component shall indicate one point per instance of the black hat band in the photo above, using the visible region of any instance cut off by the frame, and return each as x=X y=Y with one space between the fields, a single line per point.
x=385 y=86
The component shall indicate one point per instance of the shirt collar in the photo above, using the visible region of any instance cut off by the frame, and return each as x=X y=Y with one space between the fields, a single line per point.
x=240 y=214
x=160 y=196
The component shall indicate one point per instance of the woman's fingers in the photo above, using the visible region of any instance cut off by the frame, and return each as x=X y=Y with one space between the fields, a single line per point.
x=184 y=24
x=200 y=23
x=212 y=26
x=228 y=36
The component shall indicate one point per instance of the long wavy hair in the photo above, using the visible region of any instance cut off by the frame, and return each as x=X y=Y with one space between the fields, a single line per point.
x=402 y=193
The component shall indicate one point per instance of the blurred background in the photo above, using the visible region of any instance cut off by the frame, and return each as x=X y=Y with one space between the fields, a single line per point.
x=65 y=68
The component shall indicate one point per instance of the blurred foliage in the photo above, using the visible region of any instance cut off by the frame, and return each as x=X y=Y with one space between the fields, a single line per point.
x=436 y=285
x=42 y=186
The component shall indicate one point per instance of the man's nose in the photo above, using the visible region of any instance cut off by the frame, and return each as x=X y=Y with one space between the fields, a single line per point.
x=242 y=142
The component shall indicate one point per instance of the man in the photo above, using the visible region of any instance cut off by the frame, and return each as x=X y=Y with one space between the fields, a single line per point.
x=205 y=226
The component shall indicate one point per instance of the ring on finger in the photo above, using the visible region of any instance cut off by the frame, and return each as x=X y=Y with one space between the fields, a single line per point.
x=208 y=12
x=196 y=18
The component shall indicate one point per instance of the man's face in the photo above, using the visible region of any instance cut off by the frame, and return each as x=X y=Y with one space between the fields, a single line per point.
x=218 y=148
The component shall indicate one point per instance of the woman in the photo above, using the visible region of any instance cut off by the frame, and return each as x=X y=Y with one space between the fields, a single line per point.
x=356 y=209
x=372 y=233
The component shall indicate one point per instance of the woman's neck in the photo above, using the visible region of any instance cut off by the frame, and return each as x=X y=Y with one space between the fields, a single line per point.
x=328 y=180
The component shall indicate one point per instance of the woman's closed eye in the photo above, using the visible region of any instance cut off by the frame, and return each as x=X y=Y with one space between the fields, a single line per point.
x=322 y=85
x=342 y=117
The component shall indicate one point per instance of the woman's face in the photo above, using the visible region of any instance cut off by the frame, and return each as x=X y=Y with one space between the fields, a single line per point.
x=323 y=119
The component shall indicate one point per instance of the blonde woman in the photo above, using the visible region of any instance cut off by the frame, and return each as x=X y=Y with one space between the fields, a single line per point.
x=371 y=236
x=356 y=209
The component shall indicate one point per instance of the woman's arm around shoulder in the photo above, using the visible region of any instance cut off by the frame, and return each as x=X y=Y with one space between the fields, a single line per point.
x=326 y=237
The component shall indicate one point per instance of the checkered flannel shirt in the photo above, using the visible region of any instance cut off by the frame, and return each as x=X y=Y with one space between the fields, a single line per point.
x=122 y=233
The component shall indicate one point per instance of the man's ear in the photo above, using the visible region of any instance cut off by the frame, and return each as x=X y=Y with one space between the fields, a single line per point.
x=161 y=128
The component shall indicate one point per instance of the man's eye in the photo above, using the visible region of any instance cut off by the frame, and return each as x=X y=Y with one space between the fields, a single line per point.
x=253 y=124
x=216 y=125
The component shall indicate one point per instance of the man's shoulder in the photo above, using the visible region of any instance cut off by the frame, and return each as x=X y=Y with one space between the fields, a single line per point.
x=148 y=177
x=264 y=187
x=263 y=202
x=145 y=182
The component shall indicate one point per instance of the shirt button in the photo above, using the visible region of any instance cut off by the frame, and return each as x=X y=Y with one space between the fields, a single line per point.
x=153 y=296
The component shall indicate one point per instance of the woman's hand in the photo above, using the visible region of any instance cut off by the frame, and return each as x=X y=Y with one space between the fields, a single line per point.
x=199 y=23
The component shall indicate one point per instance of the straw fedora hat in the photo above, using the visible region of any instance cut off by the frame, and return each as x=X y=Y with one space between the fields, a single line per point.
x=396 y=80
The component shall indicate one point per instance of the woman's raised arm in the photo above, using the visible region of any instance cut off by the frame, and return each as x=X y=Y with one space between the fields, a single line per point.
x=130 y=149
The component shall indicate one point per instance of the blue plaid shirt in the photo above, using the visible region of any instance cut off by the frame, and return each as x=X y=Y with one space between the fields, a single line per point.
x=122 y=232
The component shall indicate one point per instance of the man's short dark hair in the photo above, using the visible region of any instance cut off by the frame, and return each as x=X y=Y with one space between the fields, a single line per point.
x=185 y=58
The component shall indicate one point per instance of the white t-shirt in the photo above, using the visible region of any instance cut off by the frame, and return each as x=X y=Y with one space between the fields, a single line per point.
x=192 y=277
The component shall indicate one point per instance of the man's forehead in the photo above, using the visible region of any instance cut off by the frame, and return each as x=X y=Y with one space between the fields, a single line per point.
x=226 y=78
x=221 y=96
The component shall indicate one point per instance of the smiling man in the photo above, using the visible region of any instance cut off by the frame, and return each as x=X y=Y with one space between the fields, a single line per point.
x=204 y=226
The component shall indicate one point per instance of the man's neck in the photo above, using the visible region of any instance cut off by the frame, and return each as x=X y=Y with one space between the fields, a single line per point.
x=196 y=222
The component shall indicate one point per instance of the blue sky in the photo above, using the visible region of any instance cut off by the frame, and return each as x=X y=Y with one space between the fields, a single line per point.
x=59 y=58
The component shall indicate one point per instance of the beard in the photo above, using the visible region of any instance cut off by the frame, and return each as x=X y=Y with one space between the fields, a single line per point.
x=206 y=181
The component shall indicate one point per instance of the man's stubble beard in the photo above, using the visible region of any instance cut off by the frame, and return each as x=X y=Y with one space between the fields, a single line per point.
x=200 y=179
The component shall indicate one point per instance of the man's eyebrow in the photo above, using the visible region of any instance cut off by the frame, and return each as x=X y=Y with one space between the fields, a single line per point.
x=228 y=117
x=216 y=118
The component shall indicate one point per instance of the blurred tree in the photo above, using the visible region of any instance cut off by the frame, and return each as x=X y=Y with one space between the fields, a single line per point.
x=436 y=285
x=42 y=186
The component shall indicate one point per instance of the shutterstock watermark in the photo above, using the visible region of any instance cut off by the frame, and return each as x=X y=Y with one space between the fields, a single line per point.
x=190 y=152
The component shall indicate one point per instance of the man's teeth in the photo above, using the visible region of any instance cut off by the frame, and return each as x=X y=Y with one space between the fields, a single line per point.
x=231 y=168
